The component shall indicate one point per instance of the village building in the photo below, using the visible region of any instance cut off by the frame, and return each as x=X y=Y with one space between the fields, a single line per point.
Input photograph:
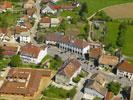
x=69 y=44
x=70 y=69
x=55 y=22
x=52 y=9
x=45 y=22
x=67 y=7
x=32 y=54
x=29 y=4
x=108 y=61
x=30 y=12
x=10 y=50
x=95 y=53
x=24 y=82
x=6 y=35
x=95 y=87
x=125 y=69
x=24 y=37
x=6 y=6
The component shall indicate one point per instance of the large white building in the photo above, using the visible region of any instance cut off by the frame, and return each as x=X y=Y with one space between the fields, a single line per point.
x=32 y=54
x=125 y=69
x=69 y=44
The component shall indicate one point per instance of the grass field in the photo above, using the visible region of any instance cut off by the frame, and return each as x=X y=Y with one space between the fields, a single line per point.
x=95 y=5
x=59 y=93
x=10 y=18
x=120 y=11
x=112 y=36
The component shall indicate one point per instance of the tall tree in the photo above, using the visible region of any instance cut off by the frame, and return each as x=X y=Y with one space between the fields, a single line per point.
x=114 y=87
x=83 y=11
x=15 y=61
x=121 y=34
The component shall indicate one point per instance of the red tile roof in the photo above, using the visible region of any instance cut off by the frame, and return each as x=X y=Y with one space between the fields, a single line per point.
x=19 y=29
x=67 y=40
x=67 y=7
x=31 y=77
x=108 y=60
x=109 y=96
x=69 y=67
x=125 y=66
x=9 y=50
x=7 y=4
x=54 y=7
x=30 y=50
x=45 y=20
x=95 y=53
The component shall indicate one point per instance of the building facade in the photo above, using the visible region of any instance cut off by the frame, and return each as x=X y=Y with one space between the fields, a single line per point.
x=32 y=54
x=125 y=69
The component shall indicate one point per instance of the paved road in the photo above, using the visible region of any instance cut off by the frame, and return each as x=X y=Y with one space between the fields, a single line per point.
x=35 y=26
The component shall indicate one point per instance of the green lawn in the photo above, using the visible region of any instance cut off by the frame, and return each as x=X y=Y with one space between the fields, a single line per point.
x=112 y=32
x=4 y=63
x=95 y=5
x=9 y=18
x=54 y=92
x=111 y=37
x=54 y=62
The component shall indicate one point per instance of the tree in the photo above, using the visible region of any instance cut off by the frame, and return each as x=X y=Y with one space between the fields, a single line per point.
x=1 y=53
x=62 y=26
x=15 y=61
x=114 y=87
x=121 y=34
x=86 y=28
x=83 y=11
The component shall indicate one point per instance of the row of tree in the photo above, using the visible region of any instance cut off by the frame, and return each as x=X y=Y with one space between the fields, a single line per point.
x=121 y=34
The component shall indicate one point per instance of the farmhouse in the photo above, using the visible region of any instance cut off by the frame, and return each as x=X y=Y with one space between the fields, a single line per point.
x=95 y=87
x=23 y=82
x=32 y=54
x=108 y=60
x=71 y=68
x=125 y=69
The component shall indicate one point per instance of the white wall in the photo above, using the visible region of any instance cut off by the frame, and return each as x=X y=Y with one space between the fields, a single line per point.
x=41 y=55
x=25 y=39
x=93 y=93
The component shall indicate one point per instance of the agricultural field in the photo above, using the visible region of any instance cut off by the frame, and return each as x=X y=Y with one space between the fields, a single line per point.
x=95 y=5
x=112 y=36
x=120 y=11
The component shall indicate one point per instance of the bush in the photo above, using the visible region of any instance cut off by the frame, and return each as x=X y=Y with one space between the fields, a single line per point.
x=76 y=79
x=82 y=74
